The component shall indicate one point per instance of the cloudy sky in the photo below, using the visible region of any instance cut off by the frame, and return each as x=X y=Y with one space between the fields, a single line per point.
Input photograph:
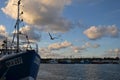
x=80 y=28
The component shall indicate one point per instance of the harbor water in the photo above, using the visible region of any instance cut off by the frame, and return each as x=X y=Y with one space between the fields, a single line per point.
x=79 y=72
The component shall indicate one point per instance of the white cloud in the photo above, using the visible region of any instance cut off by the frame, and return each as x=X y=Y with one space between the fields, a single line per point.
x=95 y=32
x=91 y=45
x=96 y=45
x=52 y=49
x=44 y=51
x=113 y=52
x=47 y=53
x=113 y=31
x=32 y=33
x=87 y=44
x=45 y=14
x=3 y=32
x=77 y=49
x=57 y=46
x=117 y=50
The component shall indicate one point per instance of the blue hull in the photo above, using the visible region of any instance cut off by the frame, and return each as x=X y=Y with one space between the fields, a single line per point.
x=24 y=66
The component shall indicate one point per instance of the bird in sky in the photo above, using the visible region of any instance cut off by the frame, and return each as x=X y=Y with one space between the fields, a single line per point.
x=51 y=37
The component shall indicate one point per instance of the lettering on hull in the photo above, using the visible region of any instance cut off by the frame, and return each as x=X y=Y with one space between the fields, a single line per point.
x=13 y=62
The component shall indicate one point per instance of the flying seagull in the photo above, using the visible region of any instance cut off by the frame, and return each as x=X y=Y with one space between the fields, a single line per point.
x=52 y=38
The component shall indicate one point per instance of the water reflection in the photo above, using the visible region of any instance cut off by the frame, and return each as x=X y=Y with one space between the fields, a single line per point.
x=92 y=72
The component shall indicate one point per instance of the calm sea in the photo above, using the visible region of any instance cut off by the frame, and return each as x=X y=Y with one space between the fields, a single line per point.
x=79 y=72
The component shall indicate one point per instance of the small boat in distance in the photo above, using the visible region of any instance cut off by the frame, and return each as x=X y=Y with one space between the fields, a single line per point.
x=17 y=61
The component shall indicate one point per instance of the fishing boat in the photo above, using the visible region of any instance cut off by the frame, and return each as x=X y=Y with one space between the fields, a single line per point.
x=17 y=61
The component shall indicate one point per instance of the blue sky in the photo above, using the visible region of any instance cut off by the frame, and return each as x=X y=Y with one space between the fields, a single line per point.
x=87 y=28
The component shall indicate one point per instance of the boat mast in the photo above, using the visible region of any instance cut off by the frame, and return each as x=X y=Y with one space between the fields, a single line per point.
x=18 y=14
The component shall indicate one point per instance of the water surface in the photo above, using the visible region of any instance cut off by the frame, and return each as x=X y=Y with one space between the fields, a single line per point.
x=79 y=72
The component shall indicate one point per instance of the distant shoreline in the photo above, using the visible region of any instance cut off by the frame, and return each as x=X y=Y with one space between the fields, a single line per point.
x=82 y=61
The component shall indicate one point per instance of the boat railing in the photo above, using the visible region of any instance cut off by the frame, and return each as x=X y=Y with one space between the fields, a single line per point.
x=24 y=46
x=29 y=46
